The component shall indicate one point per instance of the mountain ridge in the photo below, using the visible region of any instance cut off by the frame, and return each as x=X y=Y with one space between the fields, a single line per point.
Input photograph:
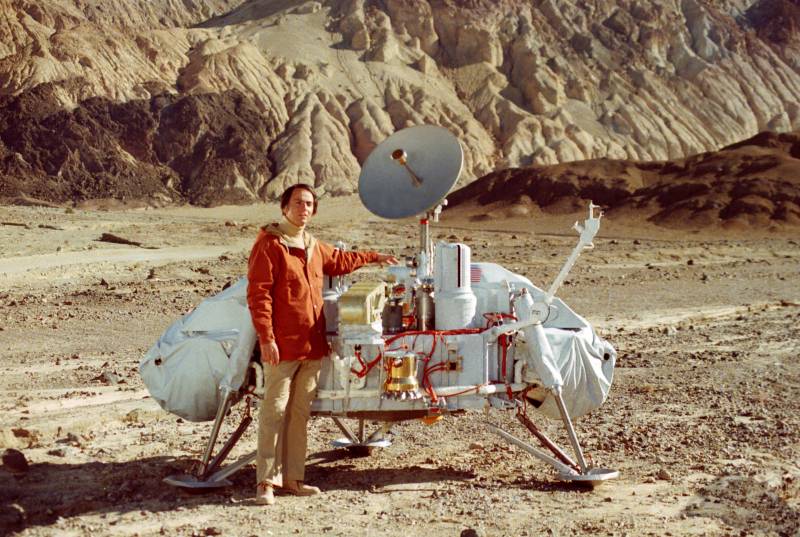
x=321 y=83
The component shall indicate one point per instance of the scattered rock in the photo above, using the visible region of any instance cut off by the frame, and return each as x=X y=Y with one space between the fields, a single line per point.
x=109 y=377
x=11 y=516
x=519 y=210
x=14 y=461
x=19 y=437
x=71 y=439
x=116 y=239
x=132 y=417
x=664 y=475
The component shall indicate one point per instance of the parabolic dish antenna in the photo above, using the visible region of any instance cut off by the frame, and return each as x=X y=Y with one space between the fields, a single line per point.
x=410 y=172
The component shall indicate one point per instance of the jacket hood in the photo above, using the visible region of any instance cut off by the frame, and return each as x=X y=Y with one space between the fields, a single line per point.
x=274 y=230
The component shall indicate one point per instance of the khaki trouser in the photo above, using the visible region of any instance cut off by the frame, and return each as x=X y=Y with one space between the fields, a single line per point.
x=289 y=389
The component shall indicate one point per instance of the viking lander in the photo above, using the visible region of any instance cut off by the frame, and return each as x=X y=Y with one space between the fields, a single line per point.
x=438 y=334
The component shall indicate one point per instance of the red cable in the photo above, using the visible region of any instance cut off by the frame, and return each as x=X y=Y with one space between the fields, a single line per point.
x=439 y=366
x=502 y=341
x=365 y=367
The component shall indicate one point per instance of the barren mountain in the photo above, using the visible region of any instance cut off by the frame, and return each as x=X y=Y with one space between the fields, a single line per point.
x=223 y=101
x=754 y=183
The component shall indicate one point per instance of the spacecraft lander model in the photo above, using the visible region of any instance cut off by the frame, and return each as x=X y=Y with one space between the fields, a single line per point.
x=438 y=334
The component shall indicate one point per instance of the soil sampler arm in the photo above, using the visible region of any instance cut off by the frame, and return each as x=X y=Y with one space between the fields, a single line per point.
x=540 y=358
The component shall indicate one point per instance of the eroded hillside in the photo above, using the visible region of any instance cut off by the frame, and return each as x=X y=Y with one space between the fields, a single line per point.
x=230 y=101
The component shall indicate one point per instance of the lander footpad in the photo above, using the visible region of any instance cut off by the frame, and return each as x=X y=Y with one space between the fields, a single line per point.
x=593 y=477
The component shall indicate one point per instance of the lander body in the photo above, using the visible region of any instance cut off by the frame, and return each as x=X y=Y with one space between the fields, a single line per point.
x=437 y=334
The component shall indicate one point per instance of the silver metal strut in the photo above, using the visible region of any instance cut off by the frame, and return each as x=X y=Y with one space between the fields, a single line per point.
x=360 y=439
x=208 y=475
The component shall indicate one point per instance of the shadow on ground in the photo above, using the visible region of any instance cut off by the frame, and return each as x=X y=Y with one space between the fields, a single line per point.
x=49 y=491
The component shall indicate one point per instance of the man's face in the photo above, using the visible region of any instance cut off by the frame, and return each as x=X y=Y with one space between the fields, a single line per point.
x=300 y=207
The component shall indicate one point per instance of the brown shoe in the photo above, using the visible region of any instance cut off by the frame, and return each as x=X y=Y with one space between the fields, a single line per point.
x=265 y=494
x=298 y=488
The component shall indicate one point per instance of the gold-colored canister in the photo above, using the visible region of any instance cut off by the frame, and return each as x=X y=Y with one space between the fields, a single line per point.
x=401 y=379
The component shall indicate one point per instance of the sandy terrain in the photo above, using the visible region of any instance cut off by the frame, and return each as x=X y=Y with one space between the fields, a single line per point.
x=703 y=421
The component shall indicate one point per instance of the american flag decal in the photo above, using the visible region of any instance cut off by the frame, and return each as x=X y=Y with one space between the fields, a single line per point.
x=474 y=274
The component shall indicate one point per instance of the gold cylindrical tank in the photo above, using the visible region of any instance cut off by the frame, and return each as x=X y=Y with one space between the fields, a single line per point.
x=401 y=377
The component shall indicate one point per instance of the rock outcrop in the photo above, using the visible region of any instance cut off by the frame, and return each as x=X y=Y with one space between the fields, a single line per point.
x=206 y=149
x=230 y=100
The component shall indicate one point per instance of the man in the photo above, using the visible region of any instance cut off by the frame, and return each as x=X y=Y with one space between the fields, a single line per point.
x=284 y=293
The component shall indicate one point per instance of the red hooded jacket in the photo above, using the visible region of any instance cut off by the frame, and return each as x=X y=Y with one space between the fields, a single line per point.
x=284 y=291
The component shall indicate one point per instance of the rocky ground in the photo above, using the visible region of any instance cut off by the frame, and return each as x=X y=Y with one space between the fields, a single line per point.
x=702 y=421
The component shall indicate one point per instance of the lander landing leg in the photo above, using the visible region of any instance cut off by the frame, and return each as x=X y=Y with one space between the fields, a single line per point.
x=358 y=443
x=567 y=468
x=208 y=474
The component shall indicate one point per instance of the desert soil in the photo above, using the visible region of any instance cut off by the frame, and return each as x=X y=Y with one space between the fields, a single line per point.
x=703 y=420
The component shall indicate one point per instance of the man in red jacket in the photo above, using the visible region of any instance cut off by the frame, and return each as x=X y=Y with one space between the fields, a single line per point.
x=284 y=293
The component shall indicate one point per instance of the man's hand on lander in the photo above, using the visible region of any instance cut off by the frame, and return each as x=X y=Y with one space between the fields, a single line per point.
x=269 y=353
x=387 y=259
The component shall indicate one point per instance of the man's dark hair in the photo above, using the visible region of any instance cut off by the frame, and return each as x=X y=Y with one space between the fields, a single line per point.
x=287 y=195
